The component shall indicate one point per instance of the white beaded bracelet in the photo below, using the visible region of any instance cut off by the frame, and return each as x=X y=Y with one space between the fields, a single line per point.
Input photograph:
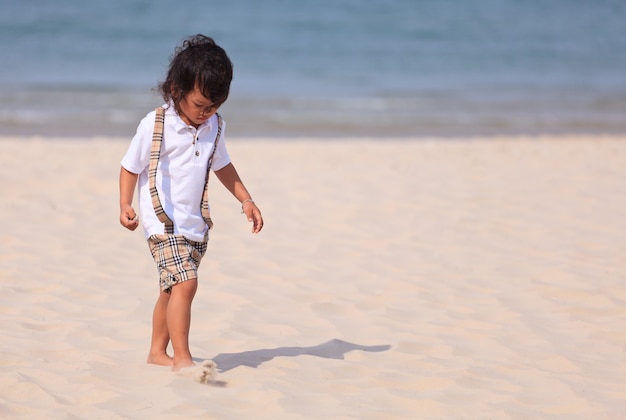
x=249 y=200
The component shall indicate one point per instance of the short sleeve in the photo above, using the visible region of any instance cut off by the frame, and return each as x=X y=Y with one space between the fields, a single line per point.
x=137 y=157
x=221 y=157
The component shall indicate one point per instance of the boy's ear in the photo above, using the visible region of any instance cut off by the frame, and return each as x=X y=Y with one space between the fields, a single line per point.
x=175 y=92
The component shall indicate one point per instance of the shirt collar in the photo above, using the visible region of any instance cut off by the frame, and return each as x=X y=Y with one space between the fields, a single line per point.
x=179 y=124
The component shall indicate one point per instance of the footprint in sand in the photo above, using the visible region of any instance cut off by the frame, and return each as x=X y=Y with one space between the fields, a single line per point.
x=204 y=373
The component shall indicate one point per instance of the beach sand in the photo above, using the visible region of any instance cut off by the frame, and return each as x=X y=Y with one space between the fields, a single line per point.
x=425 y=279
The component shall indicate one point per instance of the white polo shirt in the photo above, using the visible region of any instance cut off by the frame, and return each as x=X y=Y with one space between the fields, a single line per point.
x=181 y=172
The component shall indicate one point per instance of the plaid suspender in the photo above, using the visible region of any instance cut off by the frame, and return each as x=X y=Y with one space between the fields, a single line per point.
x=155 y=153
x=204 y=204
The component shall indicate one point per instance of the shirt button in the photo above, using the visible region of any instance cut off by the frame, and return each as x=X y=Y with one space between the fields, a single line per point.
x=197 y=153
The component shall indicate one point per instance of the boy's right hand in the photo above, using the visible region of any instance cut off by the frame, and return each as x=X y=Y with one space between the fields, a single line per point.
x=128 y=218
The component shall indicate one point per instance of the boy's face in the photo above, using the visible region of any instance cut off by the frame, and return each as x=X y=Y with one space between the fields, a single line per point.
x=195 y=108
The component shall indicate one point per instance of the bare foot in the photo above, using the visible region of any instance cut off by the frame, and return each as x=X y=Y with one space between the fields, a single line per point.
x=161 y=359
x=181 y=364
x=205 y=373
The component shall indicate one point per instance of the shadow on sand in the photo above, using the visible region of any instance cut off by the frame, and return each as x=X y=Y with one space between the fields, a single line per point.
x=333 y=349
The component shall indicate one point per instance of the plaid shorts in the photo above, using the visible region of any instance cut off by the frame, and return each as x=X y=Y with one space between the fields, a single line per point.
x=177 y=258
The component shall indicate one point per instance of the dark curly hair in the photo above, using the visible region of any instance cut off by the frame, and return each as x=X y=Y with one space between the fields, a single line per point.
x=200 y=62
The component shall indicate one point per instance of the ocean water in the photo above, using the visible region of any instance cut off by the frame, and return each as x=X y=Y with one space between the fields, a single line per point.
x=376 y=68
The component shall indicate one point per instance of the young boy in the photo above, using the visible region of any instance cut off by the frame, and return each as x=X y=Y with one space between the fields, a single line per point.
x=172 y=176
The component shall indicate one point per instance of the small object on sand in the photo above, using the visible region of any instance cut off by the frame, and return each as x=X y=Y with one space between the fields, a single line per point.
x=204 y=373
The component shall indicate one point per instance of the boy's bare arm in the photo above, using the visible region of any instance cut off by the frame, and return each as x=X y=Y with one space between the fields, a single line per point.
x=128 y=217
x=230 y=178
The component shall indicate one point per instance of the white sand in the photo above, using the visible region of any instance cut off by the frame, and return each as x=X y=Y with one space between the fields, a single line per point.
x=427 y=279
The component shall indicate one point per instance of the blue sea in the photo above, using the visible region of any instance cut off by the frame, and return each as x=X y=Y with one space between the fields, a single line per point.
x=375 y=68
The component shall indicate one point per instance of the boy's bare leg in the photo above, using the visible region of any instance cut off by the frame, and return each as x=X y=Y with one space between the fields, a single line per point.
x=179 y=321
x=160 y=334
